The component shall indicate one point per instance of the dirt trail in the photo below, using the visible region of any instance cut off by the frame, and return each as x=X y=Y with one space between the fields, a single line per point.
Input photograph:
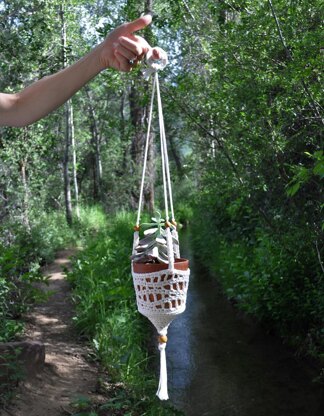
x=67 y=373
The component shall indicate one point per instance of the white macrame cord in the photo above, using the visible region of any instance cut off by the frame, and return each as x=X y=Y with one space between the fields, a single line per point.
x=160 y=295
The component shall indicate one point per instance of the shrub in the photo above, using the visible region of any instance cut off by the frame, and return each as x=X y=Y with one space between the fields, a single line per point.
x=275 y=278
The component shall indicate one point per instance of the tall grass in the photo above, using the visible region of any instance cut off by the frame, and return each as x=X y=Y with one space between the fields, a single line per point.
x=107 y=316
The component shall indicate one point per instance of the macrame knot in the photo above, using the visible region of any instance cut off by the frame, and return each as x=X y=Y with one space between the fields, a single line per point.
x=155 y=64
x=162 y=346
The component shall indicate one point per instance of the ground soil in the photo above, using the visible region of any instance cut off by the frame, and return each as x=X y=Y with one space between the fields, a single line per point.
x=68 y=372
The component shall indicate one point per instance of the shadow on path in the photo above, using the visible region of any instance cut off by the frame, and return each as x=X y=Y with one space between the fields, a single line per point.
x=67 y=373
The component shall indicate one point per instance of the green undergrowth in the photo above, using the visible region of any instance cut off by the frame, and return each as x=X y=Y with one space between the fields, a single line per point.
x=11 y=373
x=275 y=278
x=23 y=250
x=107 y=316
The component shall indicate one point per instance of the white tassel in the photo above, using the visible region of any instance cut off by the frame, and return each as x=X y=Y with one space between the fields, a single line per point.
x=162 y=391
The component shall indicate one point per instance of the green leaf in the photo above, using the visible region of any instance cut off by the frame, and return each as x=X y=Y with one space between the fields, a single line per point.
x=291 y=191
x=319 y=169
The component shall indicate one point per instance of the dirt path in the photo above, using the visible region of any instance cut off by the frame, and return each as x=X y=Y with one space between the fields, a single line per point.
x=67 y=373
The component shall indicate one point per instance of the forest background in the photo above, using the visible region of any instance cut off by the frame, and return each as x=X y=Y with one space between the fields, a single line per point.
x=244 y=122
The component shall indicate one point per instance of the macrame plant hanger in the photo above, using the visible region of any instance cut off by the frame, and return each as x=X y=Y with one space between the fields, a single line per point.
x=161 y=289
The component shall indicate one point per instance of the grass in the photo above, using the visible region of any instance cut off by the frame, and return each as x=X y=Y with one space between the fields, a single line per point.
x=107 y=316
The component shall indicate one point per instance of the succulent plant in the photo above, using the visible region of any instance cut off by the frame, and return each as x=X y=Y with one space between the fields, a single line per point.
x=152 y=247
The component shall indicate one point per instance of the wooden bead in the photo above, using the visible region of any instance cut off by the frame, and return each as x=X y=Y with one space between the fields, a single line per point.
x=163 y=339
x=136 y=228
x=167 y=224
x=174 y=223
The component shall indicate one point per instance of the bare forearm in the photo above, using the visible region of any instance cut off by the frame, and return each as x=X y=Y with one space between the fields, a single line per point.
x=45 y=95
x=120 y=50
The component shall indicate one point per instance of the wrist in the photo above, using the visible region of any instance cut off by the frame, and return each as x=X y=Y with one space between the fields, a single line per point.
x=98 y=58
x=104 y=52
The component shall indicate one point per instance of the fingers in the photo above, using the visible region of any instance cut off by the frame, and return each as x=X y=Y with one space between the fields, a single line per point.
x=127 y=52
x=136 y=45
x=123 y=62
x=139 y=23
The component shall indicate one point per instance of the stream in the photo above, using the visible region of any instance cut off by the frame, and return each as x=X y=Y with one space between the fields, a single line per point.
x=222 y=364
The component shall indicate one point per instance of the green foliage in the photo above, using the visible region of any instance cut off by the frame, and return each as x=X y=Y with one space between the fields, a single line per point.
x=106 y=315
x=303 y=175
x=275 y=279
x=22 y=252
x=10 y=374
x=18 y=272
x=183 y=213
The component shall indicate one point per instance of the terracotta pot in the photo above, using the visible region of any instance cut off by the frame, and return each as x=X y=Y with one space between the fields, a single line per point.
x=179 y=264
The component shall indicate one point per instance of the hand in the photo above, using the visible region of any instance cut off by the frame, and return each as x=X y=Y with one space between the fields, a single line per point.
x=122 y=49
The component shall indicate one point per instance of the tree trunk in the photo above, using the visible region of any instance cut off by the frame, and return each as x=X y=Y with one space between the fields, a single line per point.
x=123 y=130
x=95 y=142
x=26 y=194
x=66 y=173
x=4 y=210
x=139 y=114
x=175 y=155
x=66 y=157
x=74 y=159
x=24 y=180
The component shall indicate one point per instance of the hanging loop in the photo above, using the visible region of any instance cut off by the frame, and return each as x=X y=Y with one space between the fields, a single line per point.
x=155 y=65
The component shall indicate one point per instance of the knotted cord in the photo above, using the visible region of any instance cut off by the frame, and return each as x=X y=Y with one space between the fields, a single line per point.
x=160 y=294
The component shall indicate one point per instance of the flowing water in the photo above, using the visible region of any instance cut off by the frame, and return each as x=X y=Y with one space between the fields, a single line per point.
x=221 y=364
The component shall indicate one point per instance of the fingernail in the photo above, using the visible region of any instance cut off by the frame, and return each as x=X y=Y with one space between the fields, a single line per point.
x=149 y=13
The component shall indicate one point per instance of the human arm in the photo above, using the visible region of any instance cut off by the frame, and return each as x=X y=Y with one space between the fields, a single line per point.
x=43 y=96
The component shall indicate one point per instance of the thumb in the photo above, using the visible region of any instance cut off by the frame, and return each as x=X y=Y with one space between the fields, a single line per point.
x=139 y=23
